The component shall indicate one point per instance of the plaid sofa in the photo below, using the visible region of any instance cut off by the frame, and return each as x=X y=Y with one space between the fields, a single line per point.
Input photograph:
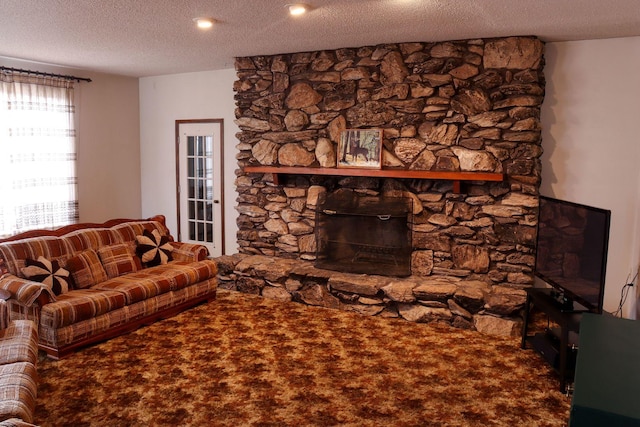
x=18 y=375
x=120 y=300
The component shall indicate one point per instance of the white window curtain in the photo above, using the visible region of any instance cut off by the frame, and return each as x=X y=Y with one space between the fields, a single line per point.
x=37 y=153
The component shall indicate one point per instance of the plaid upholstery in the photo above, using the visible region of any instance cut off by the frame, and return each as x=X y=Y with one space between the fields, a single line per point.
x=19 y=311
x=86 y=269
x=183 y=273
x=18 y=390
x=157 y=280
x=137 y=286
x=116 y=294
x=65 y=335
x=91 y=238
x=81 y=304
x=118 y=259
x=129 y=230
x=61 y=336
x=16 y=253
x=24 y=291
x=19 y=342
x=4 y=314
x=188 y=251
x=15 y=422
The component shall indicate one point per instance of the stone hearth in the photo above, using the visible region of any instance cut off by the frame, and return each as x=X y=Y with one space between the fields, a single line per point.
x=459 y=106
x=469 y=304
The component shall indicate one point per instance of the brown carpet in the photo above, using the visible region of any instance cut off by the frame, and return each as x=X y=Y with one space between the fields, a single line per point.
x=247 y=361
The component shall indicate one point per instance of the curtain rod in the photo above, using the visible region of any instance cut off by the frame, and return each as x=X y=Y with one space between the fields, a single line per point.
x=40 y=73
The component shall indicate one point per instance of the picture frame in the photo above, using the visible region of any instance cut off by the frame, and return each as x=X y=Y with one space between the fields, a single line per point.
x=360 y=148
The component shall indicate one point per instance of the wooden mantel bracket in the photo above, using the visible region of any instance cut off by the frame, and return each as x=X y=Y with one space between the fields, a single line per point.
x=456 y=177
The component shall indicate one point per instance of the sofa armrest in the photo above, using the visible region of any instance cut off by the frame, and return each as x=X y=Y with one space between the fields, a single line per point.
x=26 y=292
x=188 y=251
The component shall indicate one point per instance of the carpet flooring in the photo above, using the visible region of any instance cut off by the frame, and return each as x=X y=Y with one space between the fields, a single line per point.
x=244 y=360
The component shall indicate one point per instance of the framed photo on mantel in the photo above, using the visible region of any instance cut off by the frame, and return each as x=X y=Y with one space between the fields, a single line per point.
x=360 y=148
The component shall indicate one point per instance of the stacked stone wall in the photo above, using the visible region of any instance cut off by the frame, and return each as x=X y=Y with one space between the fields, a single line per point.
x=471 y=105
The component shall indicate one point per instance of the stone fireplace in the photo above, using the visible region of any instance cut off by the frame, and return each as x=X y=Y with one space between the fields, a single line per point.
x=458 y=106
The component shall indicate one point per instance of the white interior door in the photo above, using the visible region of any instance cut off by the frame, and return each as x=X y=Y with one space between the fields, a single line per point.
x=200 y=184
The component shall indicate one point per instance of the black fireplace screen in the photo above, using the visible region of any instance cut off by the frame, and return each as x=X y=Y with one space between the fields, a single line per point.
x=364 y=234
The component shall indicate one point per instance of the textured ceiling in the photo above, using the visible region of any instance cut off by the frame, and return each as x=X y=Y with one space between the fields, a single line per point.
x=155 y=37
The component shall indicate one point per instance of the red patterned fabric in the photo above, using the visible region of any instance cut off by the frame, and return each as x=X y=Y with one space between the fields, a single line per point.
x=64 y=335
x=129 y=230
x=183 y=273
x=81 y=304
x=86 y=269
x=189 y=251
x=19 y=342
x=118 y=260
x=24 y=291
x=15 y=253
x=18 y=388
x=138 y=286
x=91 y=238
x=110 y=290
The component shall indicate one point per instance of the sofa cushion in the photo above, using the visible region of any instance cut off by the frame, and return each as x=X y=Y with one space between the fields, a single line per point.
x=119 y=259
x=138 y=286
x=157 y=280
x=153 y=248
x=78 y=305
x=49 y=273
x=18 y=389
x=86 y=269
x=183 y=273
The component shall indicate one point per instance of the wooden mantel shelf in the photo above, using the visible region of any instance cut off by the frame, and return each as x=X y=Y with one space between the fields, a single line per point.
x=456 y=177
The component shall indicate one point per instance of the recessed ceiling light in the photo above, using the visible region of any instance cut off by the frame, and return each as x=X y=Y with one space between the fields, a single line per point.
x=203 y=23
x=298 y=9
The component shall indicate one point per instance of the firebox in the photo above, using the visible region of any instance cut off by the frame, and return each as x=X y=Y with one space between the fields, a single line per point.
x=364 y=234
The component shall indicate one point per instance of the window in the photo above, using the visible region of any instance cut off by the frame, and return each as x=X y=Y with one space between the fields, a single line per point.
x=37 y=153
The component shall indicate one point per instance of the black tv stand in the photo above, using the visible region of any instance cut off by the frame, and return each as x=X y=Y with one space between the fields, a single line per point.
x=566 y=304
x=559 y=345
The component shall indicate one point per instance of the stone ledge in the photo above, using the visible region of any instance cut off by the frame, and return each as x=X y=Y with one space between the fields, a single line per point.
x=468 y=304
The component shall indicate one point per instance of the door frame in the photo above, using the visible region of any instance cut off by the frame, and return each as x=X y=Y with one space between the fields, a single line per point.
x=221 y=154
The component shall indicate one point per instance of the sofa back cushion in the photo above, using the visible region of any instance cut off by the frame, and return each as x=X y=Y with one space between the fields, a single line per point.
x=86 y=269
x=15 y=253
x=91 y=238
x=119 y=259
x=63 y=243
x=129 y=230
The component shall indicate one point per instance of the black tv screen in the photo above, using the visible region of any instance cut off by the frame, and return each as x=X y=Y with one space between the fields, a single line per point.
x=571 y=253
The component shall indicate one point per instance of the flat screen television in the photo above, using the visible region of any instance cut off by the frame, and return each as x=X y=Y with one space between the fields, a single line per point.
x=571 y=253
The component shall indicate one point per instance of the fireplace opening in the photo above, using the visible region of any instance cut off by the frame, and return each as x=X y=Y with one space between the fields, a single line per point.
x=364 y=234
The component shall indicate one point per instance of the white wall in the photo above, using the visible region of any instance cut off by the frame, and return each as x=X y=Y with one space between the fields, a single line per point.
x=108 y=131
x=165 y=99
x=591 y=143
